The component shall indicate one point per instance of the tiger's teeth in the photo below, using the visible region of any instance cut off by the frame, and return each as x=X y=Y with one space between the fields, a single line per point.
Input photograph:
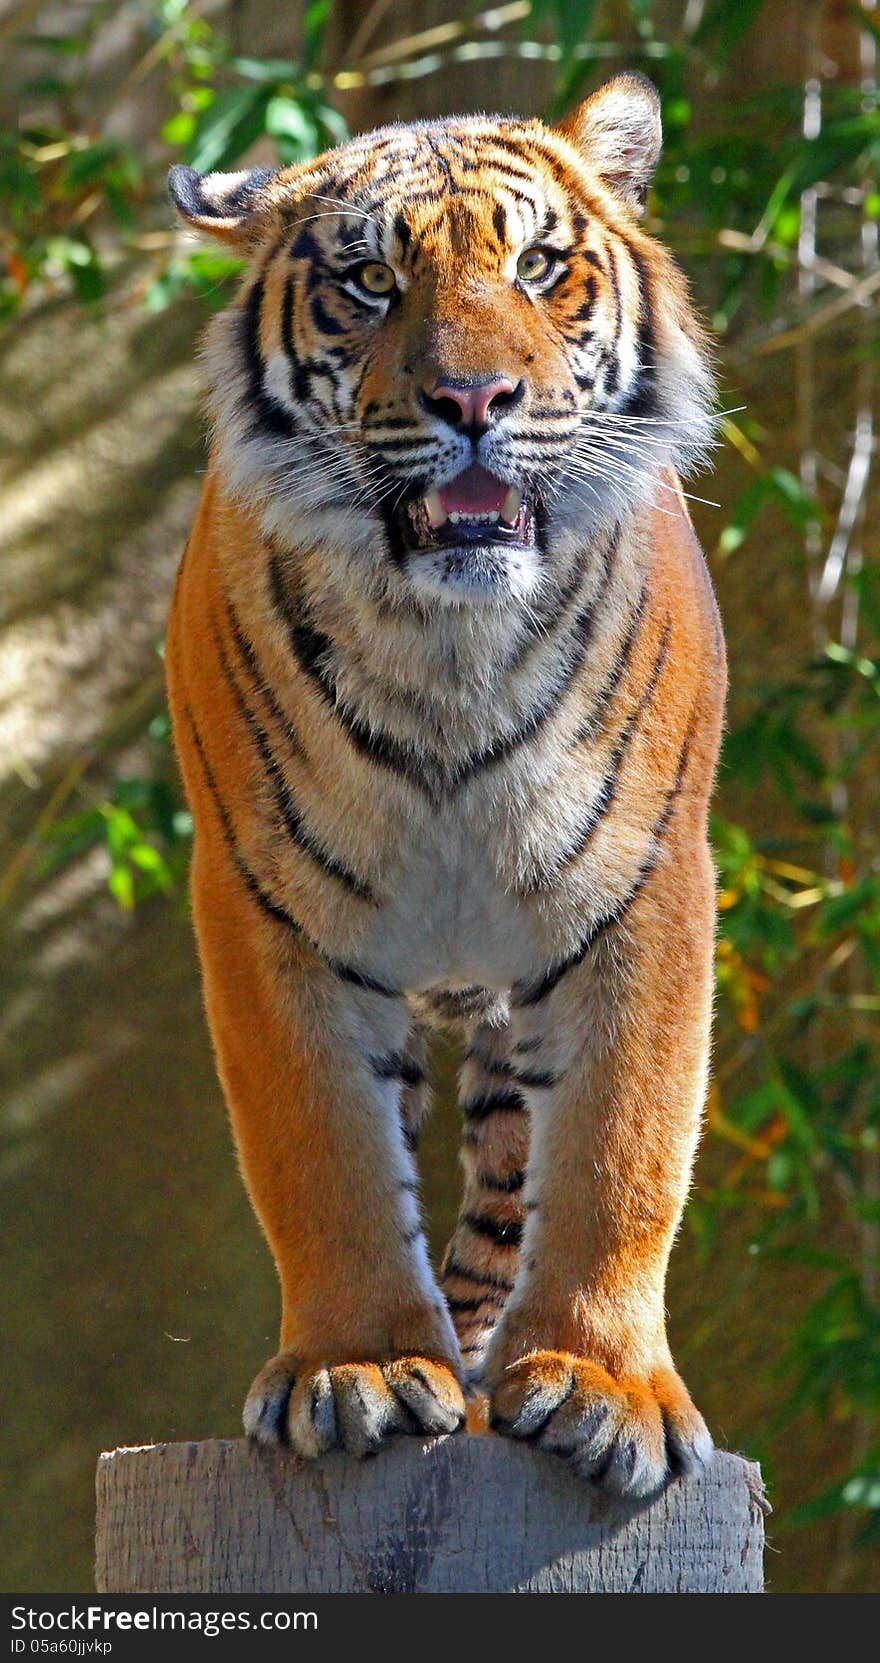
x=434 y=510
x=511 y=506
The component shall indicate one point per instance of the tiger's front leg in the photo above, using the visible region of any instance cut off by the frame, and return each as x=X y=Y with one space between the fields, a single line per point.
x=580 y=1362
x=316 y=1072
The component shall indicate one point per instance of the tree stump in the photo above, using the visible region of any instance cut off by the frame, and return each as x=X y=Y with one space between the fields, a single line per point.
x=448 y=1515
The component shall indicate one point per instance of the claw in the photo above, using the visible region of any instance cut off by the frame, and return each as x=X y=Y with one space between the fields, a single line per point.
x=628 y=1437
x=352 y=1406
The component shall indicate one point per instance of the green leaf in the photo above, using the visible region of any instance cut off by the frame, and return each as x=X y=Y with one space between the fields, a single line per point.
x=293 y=126
x=332 y=125
x=858 y=902
x=206 y=274
x=778 y=484
x=68 y=46
x=226 y=129
x=572 y=20
x=91 y=164
x=314 y=25
x=272 y=70
x=799 y=1103
x=858 y=1489
x=725 y=22
x=121 y=883
x=179 y=128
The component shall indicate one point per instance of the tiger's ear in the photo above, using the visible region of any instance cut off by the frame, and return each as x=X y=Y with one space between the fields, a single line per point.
x=618 y=131
x=231 y=206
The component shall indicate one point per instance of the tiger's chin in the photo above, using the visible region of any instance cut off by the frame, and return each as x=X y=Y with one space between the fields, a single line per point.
x=472 y=572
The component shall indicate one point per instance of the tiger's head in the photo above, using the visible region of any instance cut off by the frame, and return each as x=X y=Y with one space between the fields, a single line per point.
x=456 y=354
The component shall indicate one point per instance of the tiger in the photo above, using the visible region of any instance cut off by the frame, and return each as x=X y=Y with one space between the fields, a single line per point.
x=447 y=679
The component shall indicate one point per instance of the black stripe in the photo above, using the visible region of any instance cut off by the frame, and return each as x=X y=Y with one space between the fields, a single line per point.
x=555 y=614
x=611 y=354
x=265 y=411
x=359 y=978
x=310 y=648
x=287 y=320
x=497 y=1066
x=425 y=770
x=398 y=446
x=458 y=1001
x=559 y=413
x=388 y=421
x=396 y=1066
x=273 y=908
x=641 y=399
x=532 y=443
x=495 y=1102
x=305 y=245
x=581 y=636
x=480 y=1278
x=324 y=320
x=502 y=1186
x=393 y=423
x=445 y=169
x=520 y=150
x=503 y=1232
x=462 y=1306
x=248 y=654
x=349 y=243
x=587 y=306
x=618 y=668
x=499 y=222
x=538 y=1079
x=502 y=165
x=294 y=824
x=532 y=993
x=402 y=231
x=608 y=789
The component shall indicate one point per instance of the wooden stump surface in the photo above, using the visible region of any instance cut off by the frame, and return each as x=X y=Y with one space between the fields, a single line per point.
x=450 y=1515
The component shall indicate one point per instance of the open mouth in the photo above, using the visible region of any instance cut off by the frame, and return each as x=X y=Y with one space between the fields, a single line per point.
x=475 y=507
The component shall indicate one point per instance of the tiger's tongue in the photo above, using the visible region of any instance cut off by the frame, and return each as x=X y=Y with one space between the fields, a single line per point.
x=473 y=492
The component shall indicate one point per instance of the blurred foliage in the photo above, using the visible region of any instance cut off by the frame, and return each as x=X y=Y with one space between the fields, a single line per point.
x=795 y=1099
x=141 y=826
x=796 y=1088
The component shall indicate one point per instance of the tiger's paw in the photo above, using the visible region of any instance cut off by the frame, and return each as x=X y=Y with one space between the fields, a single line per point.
x=629 y=1436
x=352 y=1406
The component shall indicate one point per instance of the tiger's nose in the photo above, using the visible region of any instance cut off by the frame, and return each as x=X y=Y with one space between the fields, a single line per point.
x=472 y=405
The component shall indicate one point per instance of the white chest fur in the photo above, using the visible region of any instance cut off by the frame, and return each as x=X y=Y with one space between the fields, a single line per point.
x=448 y=919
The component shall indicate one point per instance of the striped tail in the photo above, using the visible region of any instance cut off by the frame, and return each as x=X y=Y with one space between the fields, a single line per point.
x=480 y=1263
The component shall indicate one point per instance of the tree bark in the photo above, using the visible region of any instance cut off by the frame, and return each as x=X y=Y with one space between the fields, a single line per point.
x=451 y=1515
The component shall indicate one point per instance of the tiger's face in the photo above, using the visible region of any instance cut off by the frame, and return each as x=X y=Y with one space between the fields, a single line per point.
x=456 y=354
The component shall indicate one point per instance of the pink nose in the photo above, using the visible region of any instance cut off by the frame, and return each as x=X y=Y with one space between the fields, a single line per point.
x=472 y=403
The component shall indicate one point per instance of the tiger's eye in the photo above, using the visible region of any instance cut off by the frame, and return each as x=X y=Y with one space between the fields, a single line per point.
x=376 y=278
x=533 y=265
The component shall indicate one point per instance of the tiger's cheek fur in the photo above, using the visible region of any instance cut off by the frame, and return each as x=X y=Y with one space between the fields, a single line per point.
x=417 y=809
